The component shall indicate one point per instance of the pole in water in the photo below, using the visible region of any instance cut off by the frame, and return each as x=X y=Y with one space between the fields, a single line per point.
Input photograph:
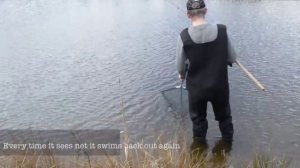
x=258 y=84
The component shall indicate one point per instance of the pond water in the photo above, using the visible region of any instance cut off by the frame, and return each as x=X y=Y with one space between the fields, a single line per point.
x=69 y=64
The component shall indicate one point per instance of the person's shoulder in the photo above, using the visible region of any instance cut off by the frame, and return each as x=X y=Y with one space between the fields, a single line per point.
x=212 y=24
x=183 y=33
x=183 y=30
x=222 y=26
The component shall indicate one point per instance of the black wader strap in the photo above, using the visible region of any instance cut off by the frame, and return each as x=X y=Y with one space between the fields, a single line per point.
x=222 y=32
x=185 y=37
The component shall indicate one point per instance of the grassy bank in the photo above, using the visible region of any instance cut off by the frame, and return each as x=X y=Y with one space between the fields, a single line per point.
x=169 y=157
x=147 y=158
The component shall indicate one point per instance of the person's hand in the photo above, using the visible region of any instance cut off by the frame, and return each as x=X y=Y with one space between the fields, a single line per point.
x=181 y=77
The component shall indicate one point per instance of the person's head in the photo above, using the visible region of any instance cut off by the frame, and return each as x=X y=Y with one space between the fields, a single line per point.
x=196 y=9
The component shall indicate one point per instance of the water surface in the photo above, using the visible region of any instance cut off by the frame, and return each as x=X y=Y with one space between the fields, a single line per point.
x=68 y=65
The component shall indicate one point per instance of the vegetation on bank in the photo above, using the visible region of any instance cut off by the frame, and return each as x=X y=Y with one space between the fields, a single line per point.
x=147 y=158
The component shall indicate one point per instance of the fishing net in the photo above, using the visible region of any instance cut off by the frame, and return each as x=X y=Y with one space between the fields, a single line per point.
x=177 y=99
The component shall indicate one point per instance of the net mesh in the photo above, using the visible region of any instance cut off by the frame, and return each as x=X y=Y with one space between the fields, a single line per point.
x=177 y=99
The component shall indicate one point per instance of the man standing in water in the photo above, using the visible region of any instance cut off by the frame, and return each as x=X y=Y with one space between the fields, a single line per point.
x=207 y=50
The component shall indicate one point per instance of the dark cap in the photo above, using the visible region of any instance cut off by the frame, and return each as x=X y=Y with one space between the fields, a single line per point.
x=195 y=4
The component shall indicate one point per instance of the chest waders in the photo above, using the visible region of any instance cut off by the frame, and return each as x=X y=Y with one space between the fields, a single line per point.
x=207 y=81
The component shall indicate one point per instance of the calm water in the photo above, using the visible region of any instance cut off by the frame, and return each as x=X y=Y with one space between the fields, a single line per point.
x=68 y=64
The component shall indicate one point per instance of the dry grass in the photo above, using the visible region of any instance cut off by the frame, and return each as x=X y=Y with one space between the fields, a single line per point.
x=264 y=160
x=146 y=158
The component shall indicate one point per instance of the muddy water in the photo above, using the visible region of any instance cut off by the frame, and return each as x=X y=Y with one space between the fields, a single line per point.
x=68 y=64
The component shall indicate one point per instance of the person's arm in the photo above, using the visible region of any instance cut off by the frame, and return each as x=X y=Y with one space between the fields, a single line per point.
x=180 y=59
x=231 y=53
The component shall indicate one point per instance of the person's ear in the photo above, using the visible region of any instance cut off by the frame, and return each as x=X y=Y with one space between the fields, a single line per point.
x=188 y=15
x=205 y=11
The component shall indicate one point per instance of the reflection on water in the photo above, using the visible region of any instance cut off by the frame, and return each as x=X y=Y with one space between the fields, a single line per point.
x=61 y=63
